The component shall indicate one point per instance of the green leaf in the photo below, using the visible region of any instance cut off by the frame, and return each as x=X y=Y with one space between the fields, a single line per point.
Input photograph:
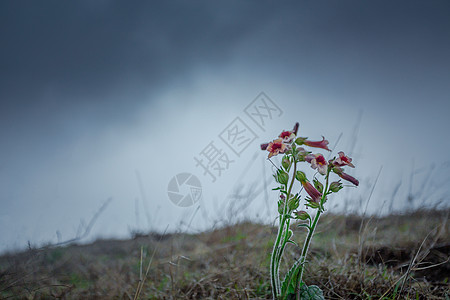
x=312 y=292
x=292 y=242
x=396 y=289
x=312 y=204
x=289 y=234
x=289 y=283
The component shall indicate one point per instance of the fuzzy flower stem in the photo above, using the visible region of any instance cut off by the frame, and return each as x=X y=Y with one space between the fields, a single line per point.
x=312 y=228
x=277 y=250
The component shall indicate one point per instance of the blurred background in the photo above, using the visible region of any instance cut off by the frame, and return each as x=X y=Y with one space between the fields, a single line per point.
x=102 y=103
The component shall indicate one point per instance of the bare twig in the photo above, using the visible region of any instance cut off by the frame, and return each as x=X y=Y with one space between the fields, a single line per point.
x=144 y=198
x=87 y=228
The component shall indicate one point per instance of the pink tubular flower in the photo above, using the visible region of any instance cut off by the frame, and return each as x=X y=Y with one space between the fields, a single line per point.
x=318 y=144
x=345 y=176
x=312 y=191
x=343 y=160
x=275 y=147
x=320 y=163
x=287 y=136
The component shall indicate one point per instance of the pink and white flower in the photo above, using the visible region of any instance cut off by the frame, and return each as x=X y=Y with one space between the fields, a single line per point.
x=318 y=162
x=282 y=144
x=276 y=147
x=287 y=136
x=343 y=160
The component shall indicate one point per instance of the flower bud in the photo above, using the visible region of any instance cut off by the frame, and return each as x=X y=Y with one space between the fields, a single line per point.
x=282 y=177
x=336 y=186
x=295 y=128
x=300 y=176
x=293 y=203
x=301 y=140
x=318 y=185
x=302 y=215
x=286 y=162
x=280 y=207
x=301 y=153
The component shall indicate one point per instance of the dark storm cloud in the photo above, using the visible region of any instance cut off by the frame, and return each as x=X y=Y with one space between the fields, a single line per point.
x=67 y=68
x=393 y=47
x=84 y=50
x=56 y=55
x=76 y=66
x=71 y=69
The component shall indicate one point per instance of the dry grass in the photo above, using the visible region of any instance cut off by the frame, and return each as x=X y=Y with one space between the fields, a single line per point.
x=404 y=256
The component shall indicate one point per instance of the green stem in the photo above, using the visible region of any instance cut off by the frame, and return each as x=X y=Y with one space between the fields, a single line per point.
x=283 y=242
x=273 y=276
x=310 y=235
x=308 y=241
x=276 y=251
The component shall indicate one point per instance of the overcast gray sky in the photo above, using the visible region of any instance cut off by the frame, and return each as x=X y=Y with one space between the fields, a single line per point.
x=94 y=92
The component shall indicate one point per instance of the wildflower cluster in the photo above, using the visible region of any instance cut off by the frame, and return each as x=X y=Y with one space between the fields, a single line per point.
x=317 y=192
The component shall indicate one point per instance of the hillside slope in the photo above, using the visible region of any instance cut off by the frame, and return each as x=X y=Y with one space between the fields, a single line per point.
x=347 y=260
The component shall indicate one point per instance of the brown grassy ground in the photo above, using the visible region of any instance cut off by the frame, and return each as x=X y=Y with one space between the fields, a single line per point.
x=404 y=256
